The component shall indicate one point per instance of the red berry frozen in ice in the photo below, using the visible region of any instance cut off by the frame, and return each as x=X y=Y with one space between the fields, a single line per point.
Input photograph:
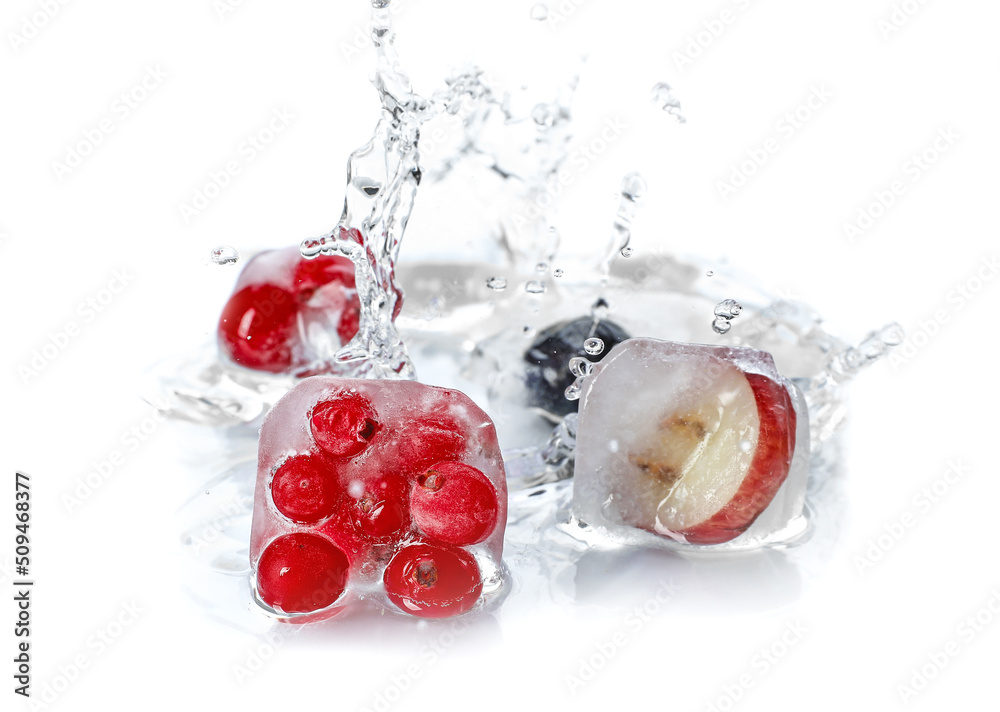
x=288 y=312
x=306 y=489
x=385 y=472
x=455 y=504
x=257 y=328
x=344 y=424
x=380 y=506
x=433 y=581
x=301 y=573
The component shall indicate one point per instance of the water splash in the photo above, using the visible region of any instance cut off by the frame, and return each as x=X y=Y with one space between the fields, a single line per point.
x=224 y=255
x=663 y=98
x=633 y=188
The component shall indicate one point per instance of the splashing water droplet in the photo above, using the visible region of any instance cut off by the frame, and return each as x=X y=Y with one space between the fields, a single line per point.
x=710 y=273
x=497 y=284
x=557 y=272
x=633 y=186
x=580 y=367
x=544 y=116
x=539 y=12
x=663 y=97
x=728 y=309
x=593 y=346
x=892 y=334
x=535 y=286
x=721 y=325
x=225 y=255
x=627 y=252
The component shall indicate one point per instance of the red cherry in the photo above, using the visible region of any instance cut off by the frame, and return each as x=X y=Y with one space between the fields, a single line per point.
x=433 y=581
x=431 y=438
x=379 y=506
x=301 y=573
x=455 y=504
x=305 y=489
x=344 y=424
x=256 y=328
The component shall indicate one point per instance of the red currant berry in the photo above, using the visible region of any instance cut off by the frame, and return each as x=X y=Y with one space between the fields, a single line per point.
x=344 y=424
x=429 y=439
x=305 y=489
x=379 y=505
x=256 y=328
x=301 y=573
x=455 y=504
x=433 y=581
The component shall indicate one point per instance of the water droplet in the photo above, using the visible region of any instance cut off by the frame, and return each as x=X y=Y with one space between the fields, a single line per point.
x=593 y=346
x=539 y=12
x=535 y=286
x=728 y=309
x=225 y=255
x=893 y=334
x=721 y=325
x=543 y=115
x=580 y=367
x=542 y=267
x=627 y=252
x=574 y=391
x=633 y=186
x=599 y=311
x=557 y=272
x=663 y=97
x=710 y=273
x=380 y=4
x=497 y=284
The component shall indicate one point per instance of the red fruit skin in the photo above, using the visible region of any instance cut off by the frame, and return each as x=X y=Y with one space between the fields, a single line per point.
x=257 y=328
x=345 y=425
x=301 y=573
x=287 y=291
x=435 y=437
x=453 y=503
x=450 y=585
x=768 y=469
x=399 y=407
x=306 y=489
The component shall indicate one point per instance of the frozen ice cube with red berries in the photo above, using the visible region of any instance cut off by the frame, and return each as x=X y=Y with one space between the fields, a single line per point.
x=386 y=490
x=288 y=313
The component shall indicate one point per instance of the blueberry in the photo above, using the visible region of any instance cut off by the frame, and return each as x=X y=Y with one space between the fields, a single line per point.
x=548 y=375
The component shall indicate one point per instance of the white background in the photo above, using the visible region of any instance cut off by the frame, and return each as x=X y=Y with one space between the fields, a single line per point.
x=64 y=237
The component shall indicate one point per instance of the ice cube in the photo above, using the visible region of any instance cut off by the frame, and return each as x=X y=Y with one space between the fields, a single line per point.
x=686 y=445
x=375 y=489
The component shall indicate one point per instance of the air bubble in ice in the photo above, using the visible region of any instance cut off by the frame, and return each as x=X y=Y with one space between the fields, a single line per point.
x=225 y=255
x=539 y=12
x=593 y=346
x=663 y=97
x=746 y=445
x=535 y=286
x=613 y=445
x=497 y=284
